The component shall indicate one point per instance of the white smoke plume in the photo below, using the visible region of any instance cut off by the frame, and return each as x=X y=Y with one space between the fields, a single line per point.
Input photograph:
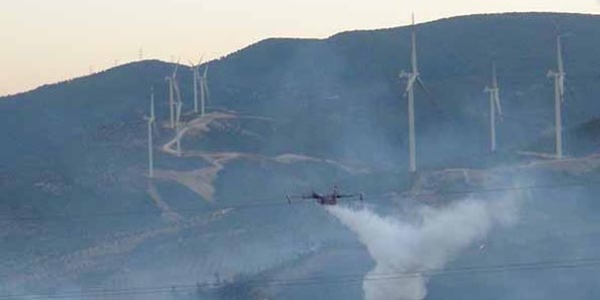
x=428 y=243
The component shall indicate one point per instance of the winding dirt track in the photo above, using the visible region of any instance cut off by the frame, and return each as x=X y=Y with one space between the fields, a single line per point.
x=202 y=181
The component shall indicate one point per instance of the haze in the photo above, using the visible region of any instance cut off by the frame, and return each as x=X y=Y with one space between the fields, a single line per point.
x=49 y=41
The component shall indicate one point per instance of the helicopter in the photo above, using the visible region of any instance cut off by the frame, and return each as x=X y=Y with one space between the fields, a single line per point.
x=327 y=199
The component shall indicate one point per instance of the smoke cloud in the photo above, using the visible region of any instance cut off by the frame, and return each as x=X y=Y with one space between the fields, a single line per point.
x=427 y=242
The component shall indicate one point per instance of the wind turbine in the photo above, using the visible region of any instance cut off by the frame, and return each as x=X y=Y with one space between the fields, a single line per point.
x=197 y=81
x=559 y=94
x=173 y=92
x=413 y=78
x=494 y=92
x=151 y=124
x=204 y=91
x=178 y=105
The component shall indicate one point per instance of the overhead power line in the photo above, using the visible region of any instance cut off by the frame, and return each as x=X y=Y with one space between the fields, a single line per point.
x=255 y=203
x=323 y=280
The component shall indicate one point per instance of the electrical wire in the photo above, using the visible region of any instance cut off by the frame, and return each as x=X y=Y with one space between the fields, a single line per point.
x=324 y=280
x=256 y=203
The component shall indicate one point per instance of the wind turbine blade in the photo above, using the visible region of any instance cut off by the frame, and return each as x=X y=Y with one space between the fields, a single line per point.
x=414 y=47
x=556 y=26
x=562 y=88
x=498 y=106
x=560 y=62
x=206 y=90
x=427 y=93
x=176 y=68
x=152 y=115
x=179 y=105
x=201 y=59
x=422 y=86
x=206 y=71
x=177 y=92
x=155 y=129
x=410 y=84
x=494 y=76
x=559 y=51
x=415 y=65
x=495 y=90
x=200 y=81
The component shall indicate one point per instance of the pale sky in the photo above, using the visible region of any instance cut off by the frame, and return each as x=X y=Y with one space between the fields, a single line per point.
x=46 y=41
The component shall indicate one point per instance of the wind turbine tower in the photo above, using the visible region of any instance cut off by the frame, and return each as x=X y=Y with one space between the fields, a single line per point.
x=413 y=78
x=559 y=94
x=495 y=107
x=194 y=69
x=151 y=123
x=178 y=128
x=197 y=81
x=169 y=81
